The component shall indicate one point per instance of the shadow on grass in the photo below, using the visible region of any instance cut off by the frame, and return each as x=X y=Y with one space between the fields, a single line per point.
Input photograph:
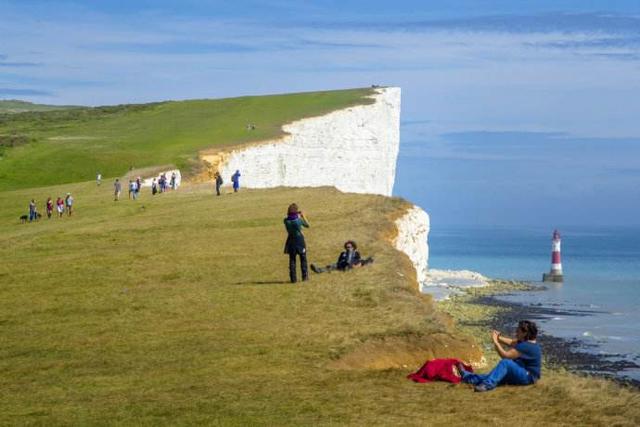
x=266 y=282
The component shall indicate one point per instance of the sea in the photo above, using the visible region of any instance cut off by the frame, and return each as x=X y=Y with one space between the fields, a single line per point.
x=599 y=298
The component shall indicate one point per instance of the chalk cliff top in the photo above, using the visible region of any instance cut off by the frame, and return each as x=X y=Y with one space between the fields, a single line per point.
x=147 y=135
x=354 y=149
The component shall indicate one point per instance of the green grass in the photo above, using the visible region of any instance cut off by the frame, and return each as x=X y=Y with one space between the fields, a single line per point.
x=175 y=309
x=179 y=313
x=72 y=145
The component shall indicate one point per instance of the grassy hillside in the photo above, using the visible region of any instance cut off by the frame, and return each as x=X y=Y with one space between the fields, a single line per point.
x=11 y=106
x=72 y=145
x=175 y=310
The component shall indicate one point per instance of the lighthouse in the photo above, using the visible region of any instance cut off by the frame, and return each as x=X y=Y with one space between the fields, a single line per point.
x=555 y=275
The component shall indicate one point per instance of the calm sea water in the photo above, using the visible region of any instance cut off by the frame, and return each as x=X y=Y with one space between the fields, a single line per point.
x=602 y=278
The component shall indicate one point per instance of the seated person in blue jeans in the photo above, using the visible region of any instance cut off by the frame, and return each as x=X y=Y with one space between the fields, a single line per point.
x=348 y=259
x=520 y=365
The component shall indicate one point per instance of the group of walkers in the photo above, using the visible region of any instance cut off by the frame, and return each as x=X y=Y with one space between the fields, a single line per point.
x=160 y=185
x=61 y=206
x=163 y=185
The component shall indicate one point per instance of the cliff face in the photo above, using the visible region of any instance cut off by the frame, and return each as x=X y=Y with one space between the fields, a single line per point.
x=354 y=150
x=413 y=230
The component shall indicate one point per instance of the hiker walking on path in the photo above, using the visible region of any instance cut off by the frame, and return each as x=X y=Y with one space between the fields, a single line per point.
x=163 y=183
x=68 y=201
x=138 y=185
x=133 y=190
x=173 y=181
x=154 y=187
x=295 y=244
x=33 y=213
x=219 y=182
x=520 y=365
x=235 y=178
x=60 y=206
x=99 y=179
x=49 y=207
x=117 y=189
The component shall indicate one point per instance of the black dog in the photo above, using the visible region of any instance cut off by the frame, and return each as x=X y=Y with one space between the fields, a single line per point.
x=25 y=218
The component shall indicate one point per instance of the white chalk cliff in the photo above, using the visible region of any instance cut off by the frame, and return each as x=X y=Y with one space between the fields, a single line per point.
x=354 y=149
x=413 y=230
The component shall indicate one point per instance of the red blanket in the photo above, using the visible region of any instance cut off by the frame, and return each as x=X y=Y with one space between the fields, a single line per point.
x=439 y=370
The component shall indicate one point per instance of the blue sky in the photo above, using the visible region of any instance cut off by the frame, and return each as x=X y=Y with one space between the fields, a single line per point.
x=514 y=112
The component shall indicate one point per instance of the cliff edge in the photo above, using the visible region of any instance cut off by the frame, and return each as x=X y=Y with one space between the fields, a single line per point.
x=353 y=149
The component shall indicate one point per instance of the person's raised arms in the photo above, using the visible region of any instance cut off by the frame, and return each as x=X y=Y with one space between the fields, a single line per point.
x=505 y=354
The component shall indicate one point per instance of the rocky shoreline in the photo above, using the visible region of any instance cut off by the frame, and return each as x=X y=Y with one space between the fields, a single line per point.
x=559 y=352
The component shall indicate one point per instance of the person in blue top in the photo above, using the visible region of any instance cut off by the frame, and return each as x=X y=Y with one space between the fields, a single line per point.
x=33 y=213
x=295 y=244
x=520 y=365
x=235 y=178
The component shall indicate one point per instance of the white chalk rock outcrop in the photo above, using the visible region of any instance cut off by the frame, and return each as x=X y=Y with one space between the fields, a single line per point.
x=442 y=284
x=354 y=150
x=413 y=231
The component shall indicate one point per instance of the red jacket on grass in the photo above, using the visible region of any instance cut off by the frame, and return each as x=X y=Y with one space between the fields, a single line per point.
x=439 y=370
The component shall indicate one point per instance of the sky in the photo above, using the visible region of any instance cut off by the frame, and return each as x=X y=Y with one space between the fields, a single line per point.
x=514 y=112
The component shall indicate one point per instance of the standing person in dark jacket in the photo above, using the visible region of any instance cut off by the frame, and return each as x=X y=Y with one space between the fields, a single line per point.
x=219 y=182
x=348 y=259
x=163 y=183
x=295 y=244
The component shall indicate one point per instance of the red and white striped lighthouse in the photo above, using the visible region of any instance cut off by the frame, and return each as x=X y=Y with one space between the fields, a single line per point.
x=555 y=275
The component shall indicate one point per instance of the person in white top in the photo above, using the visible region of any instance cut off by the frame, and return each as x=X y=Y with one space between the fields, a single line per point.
x=133 y=186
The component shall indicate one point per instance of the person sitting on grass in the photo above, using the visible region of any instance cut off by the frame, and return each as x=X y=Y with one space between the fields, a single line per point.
x=348 y=259
x=520 y=365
